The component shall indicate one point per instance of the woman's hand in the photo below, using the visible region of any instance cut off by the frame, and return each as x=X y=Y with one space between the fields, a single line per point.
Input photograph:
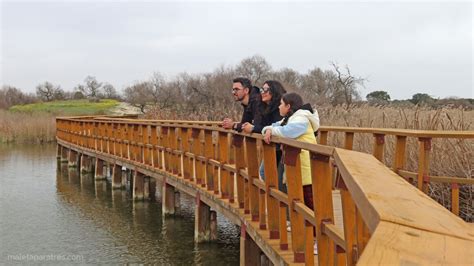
x=247 y=127
x=267 y=136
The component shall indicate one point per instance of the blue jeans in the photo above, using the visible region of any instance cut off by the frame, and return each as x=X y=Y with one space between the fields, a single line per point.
x=280 y=170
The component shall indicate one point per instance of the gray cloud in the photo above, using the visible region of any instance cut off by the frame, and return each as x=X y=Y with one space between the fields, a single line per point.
x=403 y=48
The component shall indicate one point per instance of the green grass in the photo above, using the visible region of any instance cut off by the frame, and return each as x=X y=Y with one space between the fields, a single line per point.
x=70 y=107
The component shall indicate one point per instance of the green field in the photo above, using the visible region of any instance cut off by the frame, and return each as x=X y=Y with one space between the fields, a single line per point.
x=71 y=107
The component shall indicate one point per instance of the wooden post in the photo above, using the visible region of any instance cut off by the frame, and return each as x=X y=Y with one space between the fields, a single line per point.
x=455 y=198
x=117 y=176
x=86 y=164
x=72 y=159
x=167 y=200
x=138 y=180
x=165 y=144
x=146 y=142
x=249 y=250
x=399 y=158
x=379 y=141
x=124 y=176
x=239 y=165
x=282 y=226
x=271 y=181
x=99 y=169
x=349 y=221
x=295 y=194
x=196 y=151
x=252 y=169
x=185 y=159
x=64 y=154
x=323 y=137
x=224 y=159
x=322 y=202
x=424 y=164
x=211 y=176
x=363 y=234
x=146 y=187
x=348 y=140
x=202 y=221
x=155 y=162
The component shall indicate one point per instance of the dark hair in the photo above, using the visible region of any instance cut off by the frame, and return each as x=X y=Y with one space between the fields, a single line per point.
x=276 y=90
x=295 y=101
x=246 y=83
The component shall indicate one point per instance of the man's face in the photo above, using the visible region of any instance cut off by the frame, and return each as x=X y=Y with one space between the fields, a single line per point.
x=239 y=91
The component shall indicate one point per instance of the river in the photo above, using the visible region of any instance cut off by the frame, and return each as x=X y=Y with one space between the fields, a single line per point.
x=51 y=215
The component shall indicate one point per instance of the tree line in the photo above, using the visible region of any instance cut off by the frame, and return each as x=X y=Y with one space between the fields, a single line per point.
x=207 y=95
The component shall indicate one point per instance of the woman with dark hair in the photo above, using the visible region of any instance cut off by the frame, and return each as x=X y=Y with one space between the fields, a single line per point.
x=300 y=122
x=266 y=114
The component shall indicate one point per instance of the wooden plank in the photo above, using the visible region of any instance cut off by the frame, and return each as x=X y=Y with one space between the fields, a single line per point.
x=368 y=179
x=395 y=244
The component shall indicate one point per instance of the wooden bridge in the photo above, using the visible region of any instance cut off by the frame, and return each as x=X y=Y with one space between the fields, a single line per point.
x=365 y=212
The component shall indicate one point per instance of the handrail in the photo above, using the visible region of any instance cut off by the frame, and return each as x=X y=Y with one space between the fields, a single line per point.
x=376 y=202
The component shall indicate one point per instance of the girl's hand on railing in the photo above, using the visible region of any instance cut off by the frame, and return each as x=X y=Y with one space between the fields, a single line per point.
x=267 y=136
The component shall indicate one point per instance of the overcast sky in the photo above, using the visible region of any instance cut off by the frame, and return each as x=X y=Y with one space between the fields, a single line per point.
x=400 y=47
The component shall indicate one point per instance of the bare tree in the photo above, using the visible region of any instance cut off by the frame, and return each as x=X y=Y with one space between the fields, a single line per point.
x=346 y=85
x=10 y=96
x=47 y=91
x=109 y=91
x=92 y=87
x=256 y=68
x=139 y=94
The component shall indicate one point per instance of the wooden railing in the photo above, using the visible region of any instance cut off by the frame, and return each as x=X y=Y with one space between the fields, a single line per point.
x=423 y=177
x=385 y=219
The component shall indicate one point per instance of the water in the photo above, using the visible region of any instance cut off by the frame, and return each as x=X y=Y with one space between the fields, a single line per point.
x=50 y=215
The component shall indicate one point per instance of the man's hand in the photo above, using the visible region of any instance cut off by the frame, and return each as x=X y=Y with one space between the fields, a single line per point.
x=267 y=136
x=228 y=123
x=247 y=127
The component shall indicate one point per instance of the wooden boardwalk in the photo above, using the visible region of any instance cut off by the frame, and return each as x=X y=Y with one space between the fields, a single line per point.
x=365 y=212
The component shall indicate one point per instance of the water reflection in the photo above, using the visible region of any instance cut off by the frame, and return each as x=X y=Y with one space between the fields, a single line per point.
x=75 y=214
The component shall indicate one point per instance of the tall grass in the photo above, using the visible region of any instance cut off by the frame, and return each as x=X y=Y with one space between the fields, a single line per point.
x=27 y=127
x=35 y=123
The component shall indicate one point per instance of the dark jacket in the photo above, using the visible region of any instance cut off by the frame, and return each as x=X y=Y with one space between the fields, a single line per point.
x=265 y=117
x=250 y=110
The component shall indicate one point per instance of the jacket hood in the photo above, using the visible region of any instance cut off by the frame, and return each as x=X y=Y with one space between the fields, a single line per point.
x=311 y=115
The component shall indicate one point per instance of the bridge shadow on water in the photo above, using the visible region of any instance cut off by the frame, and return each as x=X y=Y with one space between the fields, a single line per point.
x=136 y=230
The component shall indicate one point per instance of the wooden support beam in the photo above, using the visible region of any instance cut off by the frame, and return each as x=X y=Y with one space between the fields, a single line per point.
x=138 y=185
x=205 y=223
x=72 y=159
x=168 y=201
x=271 y=181
x=99 y=169
x=117 y=176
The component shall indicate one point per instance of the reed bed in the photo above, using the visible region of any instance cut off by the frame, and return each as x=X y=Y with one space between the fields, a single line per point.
x=16 y=127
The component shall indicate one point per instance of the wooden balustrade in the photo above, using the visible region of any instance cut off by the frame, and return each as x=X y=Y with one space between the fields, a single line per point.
x=374 y=204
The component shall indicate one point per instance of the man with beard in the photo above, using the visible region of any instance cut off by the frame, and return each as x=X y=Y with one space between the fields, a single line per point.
x=250 y=98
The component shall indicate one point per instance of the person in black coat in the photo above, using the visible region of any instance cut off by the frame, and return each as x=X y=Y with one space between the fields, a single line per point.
x=267 y=114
